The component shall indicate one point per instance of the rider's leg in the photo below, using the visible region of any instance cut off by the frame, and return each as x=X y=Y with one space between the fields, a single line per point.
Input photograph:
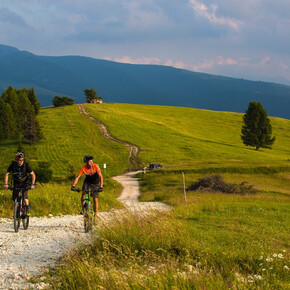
x=96 y=206
x=82 y=200
x=26 y=201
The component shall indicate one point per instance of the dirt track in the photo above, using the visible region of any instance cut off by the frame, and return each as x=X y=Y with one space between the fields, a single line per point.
x=24 y=254
x=133 y=149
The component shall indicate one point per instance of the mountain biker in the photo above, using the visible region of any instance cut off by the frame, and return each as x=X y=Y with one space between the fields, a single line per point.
x=93 y=181
x=20 y=172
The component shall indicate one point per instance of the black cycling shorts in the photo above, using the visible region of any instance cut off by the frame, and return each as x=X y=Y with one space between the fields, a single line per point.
x=18 y=188
x=92 y=187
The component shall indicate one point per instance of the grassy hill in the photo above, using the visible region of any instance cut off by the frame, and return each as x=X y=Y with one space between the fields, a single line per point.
x=191 y=138
x=214 y=241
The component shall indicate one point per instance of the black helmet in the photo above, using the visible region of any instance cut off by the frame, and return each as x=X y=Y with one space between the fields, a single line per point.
x=87 y=158
x=19 y=155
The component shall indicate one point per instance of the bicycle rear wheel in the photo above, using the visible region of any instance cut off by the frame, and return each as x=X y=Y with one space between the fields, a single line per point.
x=25 y=218
x=16 y=217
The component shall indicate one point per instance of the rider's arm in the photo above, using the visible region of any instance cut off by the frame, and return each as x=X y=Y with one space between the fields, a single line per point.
x=6 y=178
x=33 y=177
x=76 y=180
x=101 y=179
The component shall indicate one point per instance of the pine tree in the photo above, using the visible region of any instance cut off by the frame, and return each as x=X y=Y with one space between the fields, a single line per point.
x=257 y=130
x=30 y=126
x=8 y=126
x=33 y=100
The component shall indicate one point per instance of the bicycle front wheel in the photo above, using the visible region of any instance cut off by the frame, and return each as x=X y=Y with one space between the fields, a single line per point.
x=25 y=218
x=87 y=218
x=16 y=217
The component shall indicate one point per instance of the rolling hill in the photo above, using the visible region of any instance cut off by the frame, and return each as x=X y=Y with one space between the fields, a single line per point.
x=136 y=84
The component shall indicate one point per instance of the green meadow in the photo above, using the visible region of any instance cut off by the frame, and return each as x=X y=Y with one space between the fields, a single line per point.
x=183 y=138
x=211 y=241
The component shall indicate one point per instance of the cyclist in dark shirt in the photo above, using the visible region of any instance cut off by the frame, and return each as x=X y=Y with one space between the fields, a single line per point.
x=20 y=172
x=93 y=181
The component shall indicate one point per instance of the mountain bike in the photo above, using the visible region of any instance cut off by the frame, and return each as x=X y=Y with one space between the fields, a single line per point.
x=88 y=213
x=20 y=211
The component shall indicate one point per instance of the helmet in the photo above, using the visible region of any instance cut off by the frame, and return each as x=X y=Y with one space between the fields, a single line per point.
x=87 y=158
x=19 y=155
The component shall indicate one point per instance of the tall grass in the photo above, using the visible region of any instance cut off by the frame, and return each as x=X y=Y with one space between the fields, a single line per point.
x=173 y=250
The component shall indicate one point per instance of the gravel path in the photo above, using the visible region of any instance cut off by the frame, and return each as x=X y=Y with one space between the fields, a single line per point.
x=25 y=253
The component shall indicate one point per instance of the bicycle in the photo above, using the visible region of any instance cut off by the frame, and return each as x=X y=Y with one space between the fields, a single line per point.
x=20 y=210
x=88 y=213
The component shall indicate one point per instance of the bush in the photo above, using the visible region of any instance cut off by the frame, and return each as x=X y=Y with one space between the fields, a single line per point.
x=216 y=183
x=43 y=172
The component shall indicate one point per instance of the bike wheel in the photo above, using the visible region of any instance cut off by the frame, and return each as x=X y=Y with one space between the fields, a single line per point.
x=87 y=218
x=16 y=217
x=25 y=218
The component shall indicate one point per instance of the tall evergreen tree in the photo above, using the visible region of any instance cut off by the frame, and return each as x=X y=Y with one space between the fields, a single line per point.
x=33 y=100
x=8 y=126
x=30 y=126
x=257 y=130
x=10 y=96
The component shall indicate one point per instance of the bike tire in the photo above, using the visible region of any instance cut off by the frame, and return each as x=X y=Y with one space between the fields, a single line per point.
x=16 y=217
x=87 y=218
x=25 y=219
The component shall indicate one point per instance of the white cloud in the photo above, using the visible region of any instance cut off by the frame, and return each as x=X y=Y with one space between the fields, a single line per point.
x=210 y=14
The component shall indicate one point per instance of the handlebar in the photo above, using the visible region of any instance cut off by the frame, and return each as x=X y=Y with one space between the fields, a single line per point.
x=86 y=191
x=18 y=188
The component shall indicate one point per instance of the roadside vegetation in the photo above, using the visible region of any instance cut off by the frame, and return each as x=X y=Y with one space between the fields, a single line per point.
x=213 y=241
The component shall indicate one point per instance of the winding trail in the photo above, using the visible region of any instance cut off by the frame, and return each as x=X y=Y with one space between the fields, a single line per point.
x=133 y=149
x=26 y=253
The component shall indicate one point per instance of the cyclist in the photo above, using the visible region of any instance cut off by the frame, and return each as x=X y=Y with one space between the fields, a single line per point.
x=93 y=181
x=20 y=171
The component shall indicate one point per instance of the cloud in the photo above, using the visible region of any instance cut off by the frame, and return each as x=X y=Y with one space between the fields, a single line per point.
x=210 y=14
x=7 y=16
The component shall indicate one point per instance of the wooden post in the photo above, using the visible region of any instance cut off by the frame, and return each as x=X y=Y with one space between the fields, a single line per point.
x=183 y=178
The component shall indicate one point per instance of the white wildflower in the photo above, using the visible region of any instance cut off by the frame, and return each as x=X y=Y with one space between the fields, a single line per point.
x=269 y=259
x=263 y=269
x=261 y=264
x=261 y=258
x=280 y=256
x=286 y=267
x=275 y=255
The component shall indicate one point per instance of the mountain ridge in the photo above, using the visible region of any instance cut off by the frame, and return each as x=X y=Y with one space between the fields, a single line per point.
x=139 y=84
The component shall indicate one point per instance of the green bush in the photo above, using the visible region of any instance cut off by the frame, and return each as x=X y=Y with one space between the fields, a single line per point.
x=43 y=172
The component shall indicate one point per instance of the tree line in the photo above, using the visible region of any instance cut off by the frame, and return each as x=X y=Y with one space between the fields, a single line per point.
x=18 y=115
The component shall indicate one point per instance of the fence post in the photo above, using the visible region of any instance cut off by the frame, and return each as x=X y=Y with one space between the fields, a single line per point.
x=183 y=179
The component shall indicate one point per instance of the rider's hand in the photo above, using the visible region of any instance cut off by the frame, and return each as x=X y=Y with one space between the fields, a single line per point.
x=6 y=186
x=32 y=186
x=73 y=188
x=100 y=189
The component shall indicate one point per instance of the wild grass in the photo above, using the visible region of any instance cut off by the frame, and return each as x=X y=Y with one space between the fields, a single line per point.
x=215 y=241
x=205 y=249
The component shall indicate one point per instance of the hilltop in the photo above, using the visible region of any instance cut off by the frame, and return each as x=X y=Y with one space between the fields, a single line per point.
x=136 y=84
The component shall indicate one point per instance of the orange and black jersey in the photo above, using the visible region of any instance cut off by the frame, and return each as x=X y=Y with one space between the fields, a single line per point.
x=92 y=174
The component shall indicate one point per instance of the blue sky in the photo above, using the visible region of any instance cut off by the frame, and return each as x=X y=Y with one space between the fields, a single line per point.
x=246 y=39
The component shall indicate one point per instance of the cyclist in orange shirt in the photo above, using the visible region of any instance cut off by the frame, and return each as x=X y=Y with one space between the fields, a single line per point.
x=93 y=181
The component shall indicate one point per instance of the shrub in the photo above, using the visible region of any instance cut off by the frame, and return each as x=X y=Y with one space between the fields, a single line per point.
x=216 y=183
x=43 y=172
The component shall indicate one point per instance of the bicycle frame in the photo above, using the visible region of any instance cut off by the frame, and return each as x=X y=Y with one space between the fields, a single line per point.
x=88 y=212
x=20 y=211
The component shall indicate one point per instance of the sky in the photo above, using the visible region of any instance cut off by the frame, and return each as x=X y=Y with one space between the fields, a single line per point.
x=247 y=39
